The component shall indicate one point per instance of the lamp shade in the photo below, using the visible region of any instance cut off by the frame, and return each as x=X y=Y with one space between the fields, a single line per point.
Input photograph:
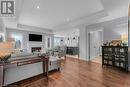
x=124 y=37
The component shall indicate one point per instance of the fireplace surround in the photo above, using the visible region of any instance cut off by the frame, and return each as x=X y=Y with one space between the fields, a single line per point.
x=36 y=49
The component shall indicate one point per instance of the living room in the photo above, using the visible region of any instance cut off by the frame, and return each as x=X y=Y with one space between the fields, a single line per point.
x=68 y=41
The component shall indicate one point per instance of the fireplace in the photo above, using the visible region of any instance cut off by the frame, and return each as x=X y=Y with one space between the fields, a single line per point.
x=36 y=49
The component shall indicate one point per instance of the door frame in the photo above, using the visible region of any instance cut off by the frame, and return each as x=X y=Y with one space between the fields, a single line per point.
x=89 y=42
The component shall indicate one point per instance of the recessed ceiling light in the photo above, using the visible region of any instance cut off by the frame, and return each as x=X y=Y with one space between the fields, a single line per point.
x=38 y=7
x=68 y=19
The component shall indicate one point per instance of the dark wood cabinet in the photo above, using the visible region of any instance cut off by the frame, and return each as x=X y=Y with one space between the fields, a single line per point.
x=116 y=56
x=72 y=51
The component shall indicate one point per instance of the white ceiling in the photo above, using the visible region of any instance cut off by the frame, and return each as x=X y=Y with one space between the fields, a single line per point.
x=115 y=9
x=55 y=13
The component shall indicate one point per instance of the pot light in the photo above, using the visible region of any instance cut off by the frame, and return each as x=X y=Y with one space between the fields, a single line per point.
x=38 y=7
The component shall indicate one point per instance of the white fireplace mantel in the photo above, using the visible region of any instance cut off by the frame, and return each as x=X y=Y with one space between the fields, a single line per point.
x=35 y=44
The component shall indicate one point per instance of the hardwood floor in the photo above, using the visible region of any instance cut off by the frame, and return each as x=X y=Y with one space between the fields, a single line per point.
x=97 y=59
x=77 y=73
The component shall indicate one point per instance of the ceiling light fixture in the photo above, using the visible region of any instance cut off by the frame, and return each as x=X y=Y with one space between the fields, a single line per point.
x=38 y=7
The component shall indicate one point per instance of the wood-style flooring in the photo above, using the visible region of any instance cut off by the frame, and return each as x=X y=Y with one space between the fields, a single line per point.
x=77 y=73
x=97 y=59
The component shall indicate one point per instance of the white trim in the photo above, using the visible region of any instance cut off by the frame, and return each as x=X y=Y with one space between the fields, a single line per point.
x=84 y=59
x=35 y=44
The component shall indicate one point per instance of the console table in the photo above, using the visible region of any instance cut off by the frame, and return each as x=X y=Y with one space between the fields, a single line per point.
x=21 y=62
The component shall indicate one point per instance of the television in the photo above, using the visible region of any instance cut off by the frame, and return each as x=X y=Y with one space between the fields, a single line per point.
x=35 y=37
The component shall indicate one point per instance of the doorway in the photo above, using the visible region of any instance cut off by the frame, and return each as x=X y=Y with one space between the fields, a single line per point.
x=95 y=39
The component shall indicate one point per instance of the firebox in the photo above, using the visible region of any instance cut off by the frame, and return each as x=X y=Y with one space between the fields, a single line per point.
x=36 y=49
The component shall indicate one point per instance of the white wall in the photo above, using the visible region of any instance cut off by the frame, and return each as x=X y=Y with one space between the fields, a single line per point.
x=72 y=38
x=25 y=36
x=115 y=32
x=111 y=34
x=83 y=43
x=58 y=41
x=2 y=28
x=112 y=30
x=33 y=28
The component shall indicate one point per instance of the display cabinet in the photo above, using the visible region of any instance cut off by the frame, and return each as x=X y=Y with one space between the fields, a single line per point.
x=116 y=56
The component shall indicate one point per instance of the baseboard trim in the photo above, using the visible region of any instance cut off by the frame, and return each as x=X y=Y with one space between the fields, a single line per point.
x=84 y=59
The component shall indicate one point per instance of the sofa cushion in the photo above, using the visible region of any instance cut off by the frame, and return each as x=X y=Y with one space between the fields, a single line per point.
x=21 y=56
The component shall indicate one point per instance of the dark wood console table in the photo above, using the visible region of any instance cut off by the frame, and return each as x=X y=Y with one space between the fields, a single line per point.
x=21 y=62
x=72 y=51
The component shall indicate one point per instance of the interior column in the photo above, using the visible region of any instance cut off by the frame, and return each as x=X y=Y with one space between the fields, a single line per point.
x=83 y=43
